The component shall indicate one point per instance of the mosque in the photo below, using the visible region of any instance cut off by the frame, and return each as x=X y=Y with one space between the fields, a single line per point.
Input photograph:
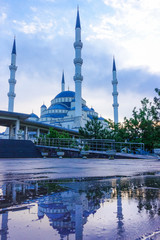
x=68 y=109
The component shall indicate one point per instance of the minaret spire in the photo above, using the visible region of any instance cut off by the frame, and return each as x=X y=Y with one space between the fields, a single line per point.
x=115 y=93
x=63 y=82
x=78 y=24
x=78 y=77
x=14 y=46
x=114 y=64
x=12 y=80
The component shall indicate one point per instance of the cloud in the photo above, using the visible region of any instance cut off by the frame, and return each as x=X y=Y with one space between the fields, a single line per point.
x=35 y=26
x=139 y=80
x=45 y=35
x=127 y=102
x=3 y=17
x=104 y=101
x=131 y=30
x=52 y=1
x=33 y=9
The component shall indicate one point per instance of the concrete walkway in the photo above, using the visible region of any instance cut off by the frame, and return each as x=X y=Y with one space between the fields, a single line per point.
x=139 y=156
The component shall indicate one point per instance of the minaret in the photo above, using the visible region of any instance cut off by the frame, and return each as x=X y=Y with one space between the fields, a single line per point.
x=120 y=227
x=115 y=93
x=63 y=83
x=4 y=226
x=78 y=77
x=12 y=81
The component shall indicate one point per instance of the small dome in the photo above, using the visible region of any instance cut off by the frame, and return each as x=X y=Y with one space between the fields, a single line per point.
x=85 y=108
x=58 y=106
x=90 y=116
x=32 y=115
x=66 y=94
x=55 y=215
x=43 y=106
x=40 y=217
x=100 y=118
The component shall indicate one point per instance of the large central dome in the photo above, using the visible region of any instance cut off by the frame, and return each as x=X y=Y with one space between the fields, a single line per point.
x=66 y=94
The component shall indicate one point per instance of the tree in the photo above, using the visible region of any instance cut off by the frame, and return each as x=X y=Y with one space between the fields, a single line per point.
x=142 y=127
x=157 y=103
x=55 y=134
x=116 y=131
x=93 y=129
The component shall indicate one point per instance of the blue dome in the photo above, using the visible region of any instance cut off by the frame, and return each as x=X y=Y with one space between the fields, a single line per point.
x=85 y=108
x=100 y=118
x=55 y=215
x=90 y=116
x=43 y=106
x=55 y=115
x=58 y=106
x=66 y=94
x=52 y=205
x=32 y=115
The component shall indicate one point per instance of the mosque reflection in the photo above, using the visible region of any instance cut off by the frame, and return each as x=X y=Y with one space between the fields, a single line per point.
x=67 y=212
x=70 y=205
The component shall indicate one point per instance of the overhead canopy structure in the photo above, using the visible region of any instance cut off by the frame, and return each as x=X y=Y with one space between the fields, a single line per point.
x=20 y=121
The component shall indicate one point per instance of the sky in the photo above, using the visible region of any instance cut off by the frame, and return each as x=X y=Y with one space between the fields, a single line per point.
x=45 y=31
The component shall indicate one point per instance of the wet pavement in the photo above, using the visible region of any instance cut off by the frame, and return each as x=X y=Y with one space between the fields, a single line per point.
x=75 y=199
x=12 y=169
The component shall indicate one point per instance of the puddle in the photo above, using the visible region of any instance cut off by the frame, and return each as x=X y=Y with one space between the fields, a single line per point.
x=74 y=209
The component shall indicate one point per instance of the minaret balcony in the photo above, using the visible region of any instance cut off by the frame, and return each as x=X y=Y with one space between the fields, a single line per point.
x=12 y=80
x=78 y=44
x=78 y=77
x=13 y=67
x=11 y=94
x=114 y=82
x=115 y=105
x=115 y=94
x=78 y=61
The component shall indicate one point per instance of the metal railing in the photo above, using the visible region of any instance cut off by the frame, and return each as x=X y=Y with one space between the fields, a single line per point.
x=91 y=144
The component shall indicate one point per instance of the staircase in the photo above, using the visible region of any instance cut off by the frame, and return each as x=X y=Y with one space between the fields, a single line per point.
x=18 y=149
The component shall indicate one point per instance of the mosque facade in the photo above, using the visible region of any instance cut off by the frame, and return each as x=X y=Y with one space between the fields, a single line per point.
x=68 y=109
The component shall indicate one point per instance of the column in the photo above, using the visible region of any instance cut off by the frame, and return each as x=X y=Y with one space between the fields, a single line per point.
x=26 y=133
x=17 y=129
x=38 y=132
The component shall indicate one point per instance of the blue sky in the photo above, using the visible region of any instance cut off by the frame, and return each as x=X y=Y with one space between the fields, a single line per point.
x=44 y=29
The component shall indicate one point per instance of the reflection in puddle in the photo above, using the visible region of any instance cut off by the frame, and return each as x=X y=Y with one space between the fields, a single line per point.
x=119 y=208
